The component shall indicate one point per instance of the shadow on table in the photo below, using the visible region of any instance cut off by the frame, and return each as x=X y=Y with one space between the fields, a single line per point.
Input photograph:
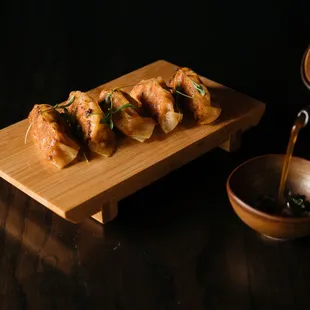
x=175 y=245
x=145 y=259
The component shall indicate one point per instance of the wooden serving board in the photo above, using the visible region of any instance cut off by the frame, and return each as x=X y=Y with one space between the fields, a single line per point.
x=85 y=189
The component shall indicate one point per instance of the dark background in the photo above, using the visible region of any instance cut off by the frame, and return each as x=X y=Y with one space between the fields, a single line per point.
x=53 y=47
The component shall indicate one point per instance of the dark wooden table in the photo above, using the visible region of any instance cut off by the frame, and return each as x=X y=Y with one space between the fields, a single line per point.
x=176 y=244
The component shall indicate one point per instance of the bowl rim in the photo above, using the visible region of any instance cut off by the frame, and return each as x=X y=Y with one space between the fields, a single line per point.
x=244 y=205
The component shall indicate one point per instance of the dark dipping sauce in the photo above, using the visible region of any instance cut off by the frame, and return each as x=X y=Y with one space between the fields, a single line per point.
x=295 y=205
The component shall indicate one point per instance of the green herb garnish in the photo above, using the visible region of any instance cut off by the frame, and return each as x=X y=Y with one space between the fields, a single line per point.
x=199 y=88
x=71 y=121
x=179 y=92
x=295 y=205
x=69 y=118
x=85 y=156
x=70 y=101
x=65 y=106
x=108 y=119
x=27 y=132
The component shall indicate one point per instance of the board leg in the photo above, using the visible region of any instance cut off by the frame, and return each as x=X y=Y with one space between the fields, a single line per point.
x=108 y=213
x=233 y=144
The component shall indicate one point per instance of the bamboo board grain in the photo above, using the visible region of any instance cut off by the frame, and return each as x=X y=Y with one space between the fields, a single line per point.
x=82 y=189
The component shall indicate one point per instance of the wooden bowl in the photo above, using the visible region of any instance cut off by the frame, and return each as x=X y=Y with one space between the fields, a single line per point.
x=261 y=176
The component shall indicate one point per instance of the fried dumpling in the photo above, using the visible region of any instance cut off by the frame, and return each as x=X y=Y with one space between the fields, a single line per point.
x=50 y=134
x=155 y=96
x=88 y=114
x=125 y=116
x=188 y=82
